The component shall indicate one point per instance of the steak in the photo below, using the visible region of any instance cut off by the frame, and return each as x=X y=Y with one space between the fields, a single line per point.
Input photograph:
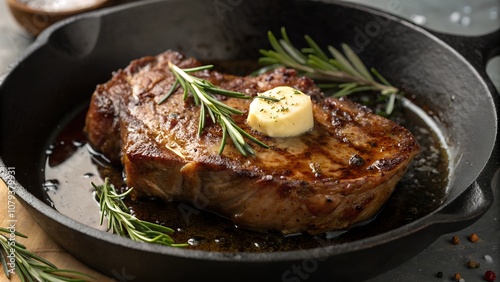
x=337 y=174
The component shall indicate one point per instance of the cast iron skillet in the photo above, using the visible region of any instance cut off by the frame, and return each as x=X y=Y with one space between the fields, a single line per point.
x=61 y=69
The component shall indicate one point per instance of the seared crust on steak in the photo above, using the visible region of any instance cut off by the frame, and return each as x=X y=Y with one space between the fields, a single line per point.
x=338 y=174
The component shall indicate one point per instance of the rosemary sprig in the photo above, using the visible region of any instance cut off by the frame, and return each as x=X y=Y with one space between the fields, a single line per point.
x=121 y=222
x=29 y=266
x=346 y=69
x=203 y=94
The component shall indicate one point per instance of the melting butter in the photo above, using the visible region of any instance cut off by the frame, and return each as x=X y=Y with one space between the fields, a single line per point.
x=288 y=114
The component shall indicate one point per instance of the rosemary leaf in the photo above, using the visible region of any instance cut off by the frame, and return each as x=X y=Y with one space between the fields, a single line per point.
x=4 y=266
x=342 y=61
x=203 y=92
x=31 y=267
x=285 y=60
x=191 y=89
x=200 y=68
x=224 y=138
x=327 y=85
x=232 y=131
x=336 y=64
x=280 y=51
x=223 y=108
x=183 y=85
x=121 y=222
x=201 y=122
x=227 y=93
x=172 y=90
x=390 y=105
x=294 y=53
x=338 y=76
x=19 y=234
x=345 y=92
x=380 y=77
x=252 y=138
x=357 y=63
x=23 y=273
x=314 y=47
x=317 y=62
x=268 y=60
x=344 y=67
x=35 y=257
x=269 y=98
x=345 y=88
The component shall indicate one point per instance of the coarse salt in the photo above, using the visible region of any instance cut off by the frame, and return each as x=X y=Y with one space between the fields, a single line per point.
x=488 y=258
x=58 y=5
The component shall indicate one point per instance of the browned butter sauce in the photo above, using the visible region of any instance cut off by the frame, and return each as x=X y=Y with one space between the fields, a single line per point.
x=71 y=166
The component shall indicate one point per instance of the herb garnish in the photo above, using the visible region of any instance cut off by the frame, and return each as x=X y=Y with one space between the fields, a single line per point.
x=121 y=222
x=347 y=70
x=29 y=266
x=203 y=94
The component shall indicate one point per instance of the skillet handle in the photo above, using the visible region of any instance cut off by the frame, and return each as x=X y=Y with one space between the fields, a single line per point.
x=471 y=205
x=478 y=50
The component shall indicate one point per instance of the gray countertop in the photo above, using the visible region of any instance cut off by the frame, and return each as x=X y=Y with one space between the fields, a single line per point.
x=451 y=16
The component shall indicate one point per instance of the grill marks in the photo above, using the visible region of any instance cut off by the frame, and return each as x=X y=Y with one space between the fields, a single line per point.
x=337 y=174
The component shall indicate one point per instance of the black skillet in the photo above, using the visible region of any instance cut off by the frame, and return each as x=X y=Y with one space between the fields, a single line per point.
x=60 y=70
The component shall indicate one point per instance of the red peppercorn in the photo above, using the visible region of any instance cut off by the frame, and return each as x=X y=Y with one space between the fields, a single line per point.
x=490 y=276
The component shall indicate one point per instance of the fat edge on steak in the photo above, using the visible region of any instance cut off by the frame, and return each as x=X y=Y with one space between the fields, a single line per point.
x=339 y=173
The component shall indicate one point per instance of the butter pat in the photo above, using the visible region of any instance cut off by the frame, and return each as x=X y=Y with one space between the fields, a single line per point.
x=290 y=116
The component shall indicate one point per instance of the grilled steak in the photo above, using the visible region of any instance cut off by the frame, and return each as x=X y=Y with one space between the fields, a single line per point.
x=338 y=174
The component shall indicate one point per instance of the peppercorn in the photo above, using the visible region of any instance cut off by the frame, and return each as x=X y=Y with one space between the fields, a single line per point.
x=490 y=276
x=473 y=238
x=473 y=264
x=455 y=240
x=457 y=276
x=439 y=274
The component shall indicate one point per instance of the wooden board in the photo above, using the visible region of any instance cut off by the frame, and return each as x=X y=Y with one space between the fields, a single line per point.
x=38 y=241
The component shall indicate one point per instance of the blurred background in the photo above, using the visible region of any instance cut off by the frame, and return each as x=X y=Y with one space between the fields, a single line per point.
x=462 y=17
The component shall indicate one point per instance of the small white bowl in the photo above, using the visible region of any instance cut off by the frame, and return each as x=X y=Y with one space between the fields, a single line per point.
x=36 y=15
